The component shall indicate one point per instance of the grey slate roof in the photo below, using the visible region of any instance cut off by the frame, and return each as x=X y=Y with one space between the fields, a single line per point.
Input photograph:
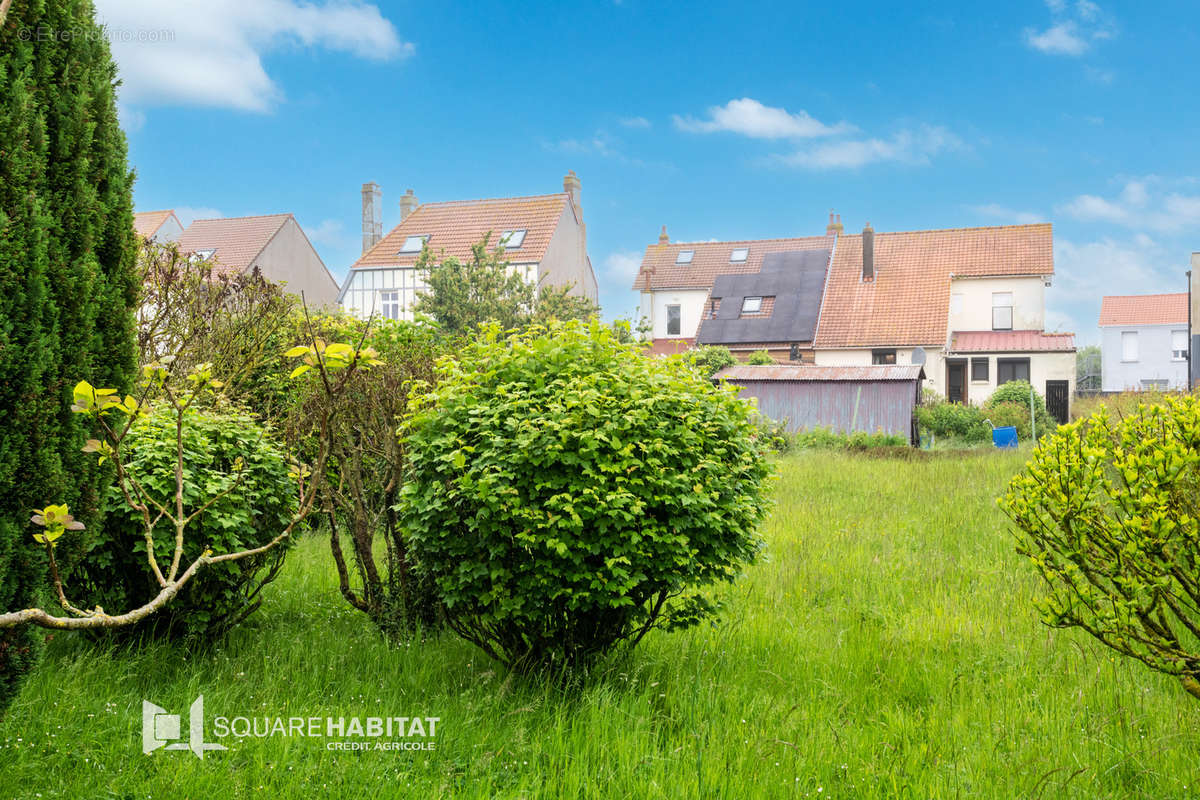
x=796 y=279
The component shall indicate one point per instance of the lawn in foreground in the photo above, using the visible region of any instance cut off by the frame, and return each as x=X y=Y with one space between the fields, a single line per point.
x=886 y=648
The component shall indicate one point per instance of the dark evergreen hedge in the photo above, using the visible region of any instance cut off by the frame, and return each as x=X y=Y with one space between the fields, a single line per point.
x=67 y=281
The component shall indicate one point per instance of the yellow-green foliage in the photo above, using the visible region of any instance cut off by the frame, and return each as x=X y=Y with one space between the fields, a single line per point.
x=1107 y=511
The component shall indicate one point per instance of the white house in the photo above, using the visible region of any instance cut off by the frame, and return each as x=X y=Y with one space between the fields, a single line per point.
x=1144 y=342
x=970 y=302
x=274 y=244
x=544 y=237
x=158 y=226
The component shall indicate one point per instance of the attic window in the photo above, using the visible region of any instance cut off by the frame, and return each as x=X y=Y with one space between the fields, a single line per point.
x=511 y=240
x=685 y=256
x=739 y=255
x=752 y=305
x=204 y=255
x=413 y=244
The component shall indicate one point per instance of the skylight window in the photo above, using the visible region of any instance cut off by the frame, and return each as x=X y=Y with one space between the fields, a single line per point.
x=511 y=240
x=413 y=244
x=685 y=256
x=204 y=255
x=752 y=305
x=739 y=255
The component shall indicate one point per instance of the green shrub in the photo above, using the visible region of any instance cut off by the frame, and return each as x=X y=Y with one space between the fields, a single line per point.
x=1107 y=512
x=710 y=359
x=116 y=575
x=760 y=358
x=1014 y=395
x=568 y=494
x=955 y=421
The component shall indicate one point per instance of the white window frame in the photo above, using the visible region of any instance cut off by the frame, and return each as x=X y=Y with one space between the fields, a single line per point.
x=678 y=319
x=390 y=306
x=685 y=256
x=1129 y=347
x=739 y=255
x=1002 y=309
x=511 y=240
x=407 y=248
x=751 y=305
x=1177 y=353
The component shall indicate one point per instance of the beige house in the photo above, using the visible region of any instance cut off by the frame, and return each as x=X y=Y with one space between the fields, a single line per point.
x=274 y=244
x=969 y=304
x=544 y=238
x=157 y=226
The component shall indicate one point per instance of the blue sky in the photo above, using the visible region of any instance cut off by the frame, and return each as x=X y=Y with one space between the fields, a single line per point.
x=739 y=120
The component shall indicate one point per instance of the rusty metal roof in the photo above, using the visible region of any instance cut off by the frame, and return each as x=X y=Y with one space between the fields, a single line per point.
x=803 y=372
x=1012 y=342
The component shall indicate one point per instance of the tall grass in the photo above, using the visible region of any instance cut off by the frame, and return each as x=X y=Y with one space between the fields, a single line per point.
x=887 y=648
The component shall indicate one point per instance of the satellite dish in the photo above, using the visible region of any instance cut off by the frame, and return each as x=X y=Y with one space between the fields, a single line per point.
x=918 y=356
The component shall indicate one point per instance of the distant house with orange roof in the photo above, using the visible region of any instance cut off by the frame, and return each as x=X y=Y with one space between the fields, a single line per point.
x=544 y=238
x=274 y=244
x=968 y=303
x=1144 y=342
x=157 y=226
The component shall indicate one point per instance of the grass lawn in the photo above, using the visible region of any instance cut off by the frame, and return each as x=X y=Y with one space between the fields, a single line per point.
x=886 y=648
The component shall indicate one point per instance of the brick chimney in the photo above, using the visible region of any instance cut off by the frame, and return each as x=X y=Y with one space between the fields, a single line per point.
x=408 y=204
x=663 y=238
x=571 y=186
x=372 y=225
x=868 y=247
x=834 y=228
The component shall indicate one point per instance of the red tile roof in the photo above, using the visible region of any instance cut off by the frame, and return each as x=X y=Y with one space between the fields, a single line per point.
x=147 y=223
x=1011 y=342
x=237 y=241
x=710 y=259
x=908 y=302
x=1144 y=309
x=452 y=228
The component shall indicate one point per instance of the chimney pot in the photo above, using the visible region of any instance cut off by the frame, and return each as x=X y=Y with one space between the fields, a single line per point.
x=372 y=224
x=834 y=228
x=408 y=204
x=868 y=248
x=662 y=237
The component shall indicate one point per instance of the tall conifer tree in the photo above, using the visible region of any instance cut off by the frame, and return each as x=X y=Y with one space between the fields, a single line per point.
x=67 y=280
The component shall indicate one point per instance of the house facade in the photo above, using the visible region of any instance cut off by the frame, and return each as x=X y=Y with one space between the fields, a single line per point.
x=157 y=226
x=1194 y=320
x=544 y=238
x=274 y=244
x=1144 y=342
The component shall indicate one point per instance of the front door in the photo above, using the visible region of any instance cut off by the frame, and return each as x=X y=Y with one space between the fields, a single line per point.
x=1058 y=397
x=956 y=381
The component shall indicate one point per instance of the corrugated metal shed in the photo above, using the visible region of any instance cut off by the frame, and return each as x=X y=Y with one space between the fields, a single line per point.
x=846 y=399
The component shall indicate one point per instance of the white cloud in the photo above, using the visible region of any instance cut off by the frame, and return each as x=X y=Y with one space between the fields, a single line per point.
x=622 y=266
x=1074 y=28
x=189 y=214
x=635 y=122
x=1086 y=271
x=600 y=143
x=210 y=54
x=1145 y=204
x=330 y=231
x=1009 y=215
x=1061 y=39
x=905 y=147
x=749 y=117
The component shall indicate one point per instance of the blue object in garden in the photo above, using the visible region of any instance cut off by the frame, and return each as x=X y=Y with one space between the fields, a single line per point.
x=1004 y=437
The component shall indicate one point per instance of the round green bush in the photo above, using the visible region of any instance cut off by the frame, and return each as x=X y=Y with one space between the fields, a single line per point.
x=567 y=494
x=760 y=358
x=1010 y=396
x=115 y=572
x=954 y=420
x=710 y=359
